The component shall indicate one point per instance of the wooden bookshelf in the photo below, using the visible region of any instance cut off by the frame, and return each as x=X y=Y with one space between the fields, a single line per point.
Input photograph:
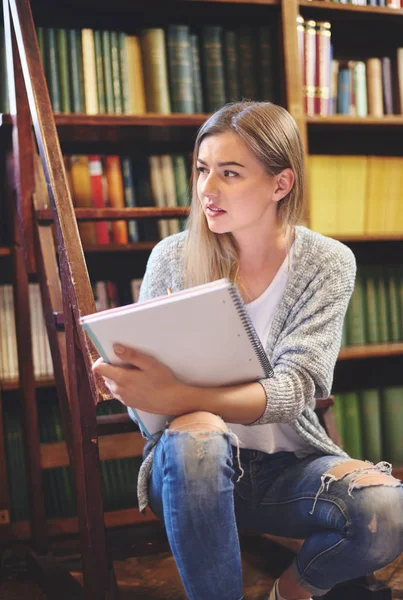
x=372 y=237
x=14 y=384
x=371 y=351
x=114 y=214
x=134 y=247
x=333 y=6
x=346 y=121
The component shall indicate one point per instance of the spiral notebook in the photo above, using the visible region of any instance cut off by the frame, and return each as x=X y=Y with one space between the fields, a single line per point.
x=203 y=334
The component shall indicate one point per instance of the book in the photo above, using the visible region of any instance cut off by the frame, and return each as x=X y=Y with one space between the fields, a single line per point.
x=203 y=334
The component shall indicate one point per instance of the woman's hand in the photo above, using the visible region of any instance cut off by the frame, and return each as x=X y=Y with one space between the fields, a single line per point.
x=151 y=386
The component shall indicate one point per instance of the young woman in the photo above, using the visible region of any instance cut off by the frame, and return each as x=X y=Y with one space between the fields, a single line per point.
x=254 y=455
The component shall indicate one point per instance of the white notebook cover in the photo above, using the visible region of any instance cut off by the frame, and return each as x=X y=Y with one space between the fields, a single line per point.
x=203 y=334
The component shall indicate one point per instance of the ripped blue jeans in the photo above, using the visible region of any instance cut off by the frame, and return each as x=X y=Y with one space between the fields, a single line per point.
x=204 y=489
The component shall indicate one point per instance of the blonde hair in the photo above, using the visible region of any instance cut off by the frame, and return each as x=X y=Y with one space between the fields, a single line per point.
x=272 y=135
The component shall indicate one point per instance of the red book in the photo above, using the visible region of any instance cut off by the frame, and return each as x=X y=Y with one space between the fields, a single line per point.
x=322 y=68
x=98 y=197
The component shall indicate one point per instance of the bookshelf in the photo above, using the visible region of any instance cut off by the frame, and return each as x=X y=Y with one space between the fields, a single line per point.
x=81 y=132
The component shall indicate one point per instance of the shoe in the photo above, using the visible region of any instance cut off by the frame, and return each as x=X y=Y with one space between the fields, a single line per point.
x=274 y=594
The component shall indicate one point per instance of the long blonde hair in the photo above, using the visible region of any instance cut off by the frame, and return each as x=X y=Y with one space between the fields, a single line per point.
x=272 y=135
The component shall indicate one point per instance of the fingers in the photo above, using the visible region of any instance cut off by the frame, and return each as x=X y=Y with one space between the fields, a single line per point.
x=109 y=371
x=134 y=357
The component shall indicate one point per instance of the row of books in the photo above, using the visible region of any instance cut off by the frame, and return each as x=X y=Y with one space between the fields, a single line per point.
x=375 y=312
x=111 y=181
x=350 y=87
x=158 y=70
x=42 y=361
x=373 y=88
x=106 y=294
x=386 y=3
x=370 y=423
x=356 y=195
x=119 y=477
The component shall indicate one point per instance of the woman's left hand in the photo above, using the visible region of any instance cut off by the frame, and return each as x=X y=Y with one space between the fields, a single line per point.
x=151 y=386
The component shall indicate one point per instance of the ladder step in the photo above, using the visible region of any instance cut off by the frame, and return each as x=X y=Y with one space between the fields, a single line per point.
x=59 y=320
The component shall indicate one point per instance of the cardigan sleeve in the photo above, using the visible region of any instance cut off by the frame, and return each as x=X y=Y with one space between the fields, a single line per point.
x=305 y=354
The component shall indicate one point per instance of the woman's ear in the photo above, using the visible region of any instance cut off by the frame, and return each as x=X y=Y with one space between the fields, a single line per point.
x=284 y=184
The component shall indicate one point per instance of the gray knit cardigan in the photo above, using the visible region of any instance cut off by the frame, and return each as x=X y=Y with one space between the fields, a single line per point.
x=304 y=339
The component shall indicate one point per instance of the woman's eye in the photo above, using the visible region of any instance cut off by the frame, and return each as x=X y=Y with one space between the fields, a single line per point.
x=201 y=169
x=230 y=174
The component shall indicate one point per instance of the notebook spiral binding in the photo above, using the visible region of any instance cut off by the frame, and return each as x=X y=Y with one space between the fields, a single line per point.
x=250 y=331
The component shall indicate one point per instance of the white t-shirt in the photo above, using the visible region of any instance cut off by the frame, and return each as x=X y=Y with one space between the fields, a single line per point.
x=273 y=437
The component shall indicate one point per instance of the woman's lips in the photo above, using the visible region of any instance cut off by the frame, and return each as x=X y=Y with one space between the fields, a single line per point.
x=214 y=212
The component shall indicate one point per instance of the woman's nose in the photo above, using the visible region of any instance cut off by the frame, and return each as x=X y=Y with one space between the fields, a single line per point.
x=210 y=186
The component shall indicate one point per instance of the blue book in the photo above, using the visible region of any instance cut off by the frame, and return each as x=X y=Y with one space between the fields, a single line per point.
x=130 y=197
x=344 y=92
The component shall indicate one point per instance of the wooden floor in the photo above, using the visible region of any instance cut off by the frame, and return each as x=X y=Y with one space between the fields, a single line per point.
x=153 y=575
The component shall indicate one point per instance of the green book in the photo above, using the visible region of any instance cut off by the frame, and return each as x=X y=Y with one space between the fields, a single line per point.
x=352 y=431
x=338 y=416
x=248 y=61
x=371 y=305
x=107 y=61
x=392 y=404
x=52 y=69
x=181 y=184
x=99 y=66
x=383 y=313
x=266 y=64
x=76 y=71
x=40 y=34
x=63 y=67
x=232 y=87
x=213 y=62
x=117 y=86
x=196 y=74
x=68 y=501
x=124 y=72
x=180 y=69
x=356 y=314
x=393 y=304
x=371 y=424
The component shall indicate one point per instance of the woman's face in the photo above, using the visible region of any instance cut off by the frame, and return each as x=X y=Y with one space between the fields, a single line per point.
x=236 y=192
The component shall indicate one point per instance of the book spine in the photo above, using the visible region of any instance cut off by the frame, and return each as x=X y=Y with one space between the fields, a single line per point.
x=214 y=79
x=374 y=83
x=310 y=66
x=233 y=92
x=124 y=72
x=352 y=425
x=248 y=60
x=360 y=88
x=371 y=425
x=53 y=69
x=196 y=74
x=400 y=77
x=116 y=82
x=387 y=85
x=158 y=192
x=266 y=62
x=322 y=77
x=344 y=91
x=356 y=314
x=130 y=197
x=180 y=69
x=155 y=71
x=98 y=199
x=116 y=197
x=62 y=52
x=136 y=77
x=107 y=62
x=90 y=75
x=76 y=71
x=100 y=72
x=392 y=403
